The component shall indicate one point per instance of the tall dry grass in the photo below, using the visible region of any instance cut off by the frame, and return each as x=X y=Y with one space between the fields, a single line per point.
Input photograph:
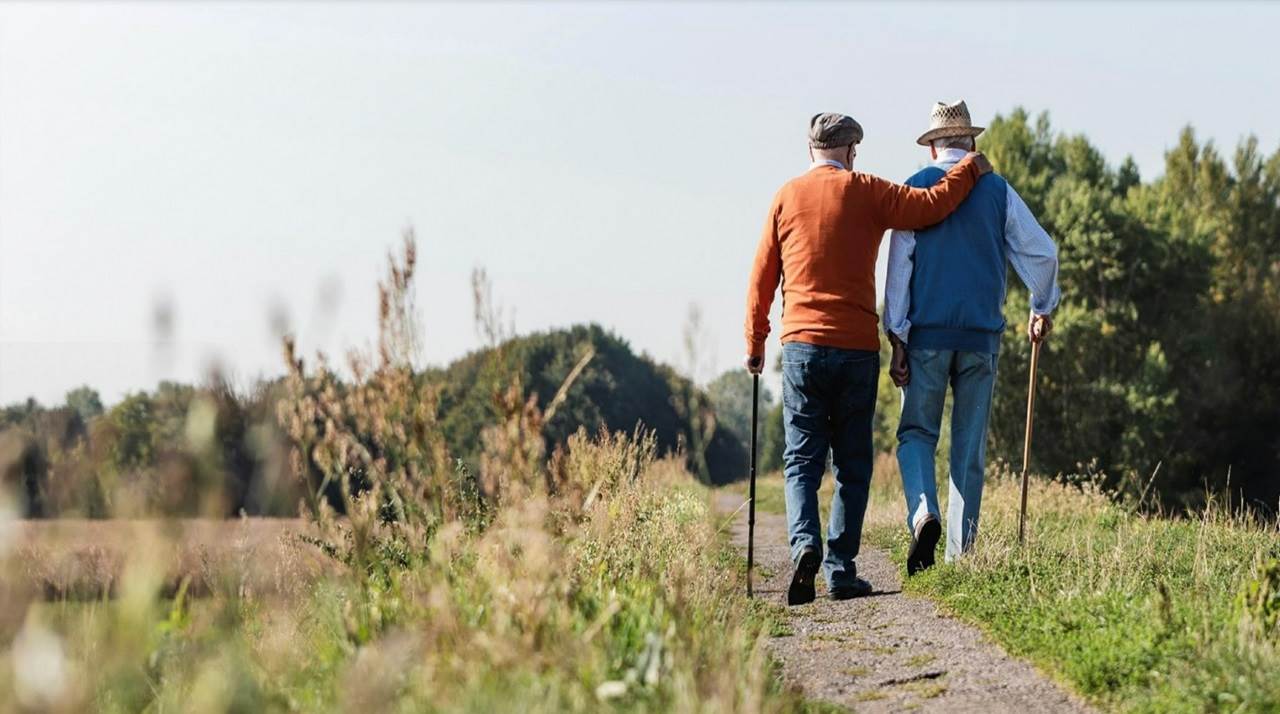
x=587 y=579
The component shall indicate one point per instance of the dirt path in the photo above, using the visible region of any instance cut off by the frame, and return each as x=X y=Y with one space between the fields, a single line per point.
x=887 y=652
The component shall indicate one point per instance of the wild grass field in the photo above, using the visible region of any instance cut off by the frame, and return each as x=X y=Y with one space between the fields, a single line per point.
x=1137 y=612
x=632 y=603
x=85 y=559
x=588 y=577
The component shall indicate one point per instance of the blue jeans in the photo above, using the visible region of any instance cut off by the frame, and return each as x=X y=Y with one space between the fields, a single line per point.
x=972 y=378
x=828 y=399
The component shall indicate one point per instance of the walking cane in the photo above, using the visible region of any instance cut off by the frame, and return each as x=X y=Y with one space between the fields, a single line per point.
x=1026 y=443
x=751 y=502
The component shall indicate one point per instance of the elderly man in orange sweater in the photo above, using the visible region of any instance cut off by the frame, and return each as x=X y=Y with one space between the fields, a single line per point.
x=820 y=241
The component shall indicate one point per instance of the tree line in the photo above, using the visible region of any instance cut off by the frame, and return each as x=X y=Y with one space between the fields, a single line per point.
x=216 y=450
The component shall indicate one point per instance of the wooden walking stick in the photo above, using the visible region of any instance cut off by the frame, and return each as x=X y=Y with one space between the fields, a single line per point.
x=1026 y=444
x=751 y=503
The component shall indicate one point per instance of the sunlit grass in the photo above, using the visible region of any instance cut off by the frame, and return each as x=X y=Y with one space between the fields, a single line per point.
x=1137 y=612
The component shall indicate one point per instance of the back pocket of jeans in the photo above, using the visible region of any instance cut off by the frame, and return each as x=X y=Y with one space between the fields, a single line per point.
x=793 y=381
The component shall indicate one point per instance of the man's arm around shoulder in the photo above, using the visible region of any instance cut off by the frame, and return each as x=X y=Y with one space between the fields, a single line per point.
x=907 y=208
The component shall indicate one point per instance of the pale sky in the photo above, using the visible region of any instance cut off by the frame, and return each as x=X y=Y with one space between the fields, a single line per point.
x=609 y=162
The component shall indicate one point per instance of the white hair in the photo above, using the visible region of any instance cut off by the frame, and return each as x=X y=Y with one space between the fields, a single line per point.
x=968 y=143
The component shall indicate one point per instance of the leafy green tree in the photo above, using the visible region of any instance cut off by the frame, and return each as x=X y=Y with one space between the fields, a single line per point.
x=1105 y=388
x=773 y=441
x=1230 y=213
x=133 y=444
x=1163 y=354
x=730 y=394
x=85 y=401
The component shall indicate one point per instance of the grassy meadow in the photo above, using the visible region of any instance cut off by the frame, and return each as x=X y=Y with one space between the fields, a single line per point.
x=633 y=603
x=1136 y=612
x=587 y=574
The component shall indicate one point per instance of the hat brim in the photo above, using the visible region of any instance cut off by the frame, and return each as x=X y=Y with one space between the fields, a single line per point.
x=949 y=131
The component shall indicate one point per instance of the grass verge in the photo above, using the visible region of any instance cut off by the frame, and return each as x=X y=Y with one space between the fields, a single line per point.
x=637 y=607
x=1137 y=613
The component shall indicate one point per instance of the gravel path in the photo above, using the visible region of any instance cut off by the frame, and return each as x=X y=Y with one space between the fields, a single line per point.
x=887 y=652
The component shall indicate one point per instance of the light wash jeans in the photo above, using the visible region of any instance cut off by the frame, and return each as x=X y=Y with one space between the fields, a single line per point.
x=828 y=399
x=972 y=378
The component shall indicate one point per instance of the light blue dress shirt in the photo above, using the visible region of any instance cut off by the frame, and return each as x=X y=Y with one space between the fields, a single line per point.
x=828 y=162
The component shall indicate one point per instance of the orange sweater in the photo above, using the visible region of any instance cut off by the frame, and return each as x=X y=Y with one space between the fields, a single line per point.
x=821 y=239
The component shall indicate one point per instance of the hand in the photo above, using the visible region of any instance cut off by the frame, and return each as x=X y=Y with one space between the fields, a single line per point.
x=1039 y=327
x=981 y=162
x=899 y=372
x=754 y=365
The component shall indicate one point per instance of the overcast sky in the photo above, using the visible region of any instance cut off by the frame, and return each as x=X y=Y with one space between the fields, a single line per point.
x=609 y=162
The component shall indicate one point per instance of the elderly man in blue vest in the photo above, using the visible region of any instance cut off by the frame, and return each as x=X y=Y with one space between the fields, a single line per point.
x=943 y=311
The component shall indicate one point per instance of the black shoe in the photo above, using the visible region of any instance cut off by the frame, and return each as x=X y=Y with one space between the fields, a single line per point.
x=801 y=590
x=920 y=556
x=858 y=588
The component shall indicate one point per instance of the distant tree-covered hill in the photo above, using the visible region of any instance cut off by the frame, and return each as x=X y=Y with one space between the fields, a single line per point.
x=617 y=390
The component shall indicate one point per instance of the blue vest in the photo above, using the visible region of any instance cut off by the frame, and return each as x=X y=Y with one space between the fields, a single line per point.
x=958 y=276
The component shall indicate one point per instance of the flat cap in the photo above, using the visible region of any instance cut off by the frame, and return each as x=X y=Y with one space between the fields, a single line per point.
x=830 y=130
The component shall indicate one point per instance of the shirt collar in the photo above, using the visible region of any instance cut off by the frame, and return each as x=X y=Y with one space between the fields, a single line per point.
x=950 y=156
x=828 y=162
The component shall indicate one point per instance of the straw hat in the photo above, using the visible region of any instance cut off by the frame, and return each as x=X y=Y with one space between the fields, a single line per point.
x=949 y=120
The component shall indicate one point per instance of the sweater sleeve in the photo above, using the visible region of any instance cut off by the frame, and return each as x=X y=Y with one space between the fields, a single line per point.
x=905 y=208
x=766 y=271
